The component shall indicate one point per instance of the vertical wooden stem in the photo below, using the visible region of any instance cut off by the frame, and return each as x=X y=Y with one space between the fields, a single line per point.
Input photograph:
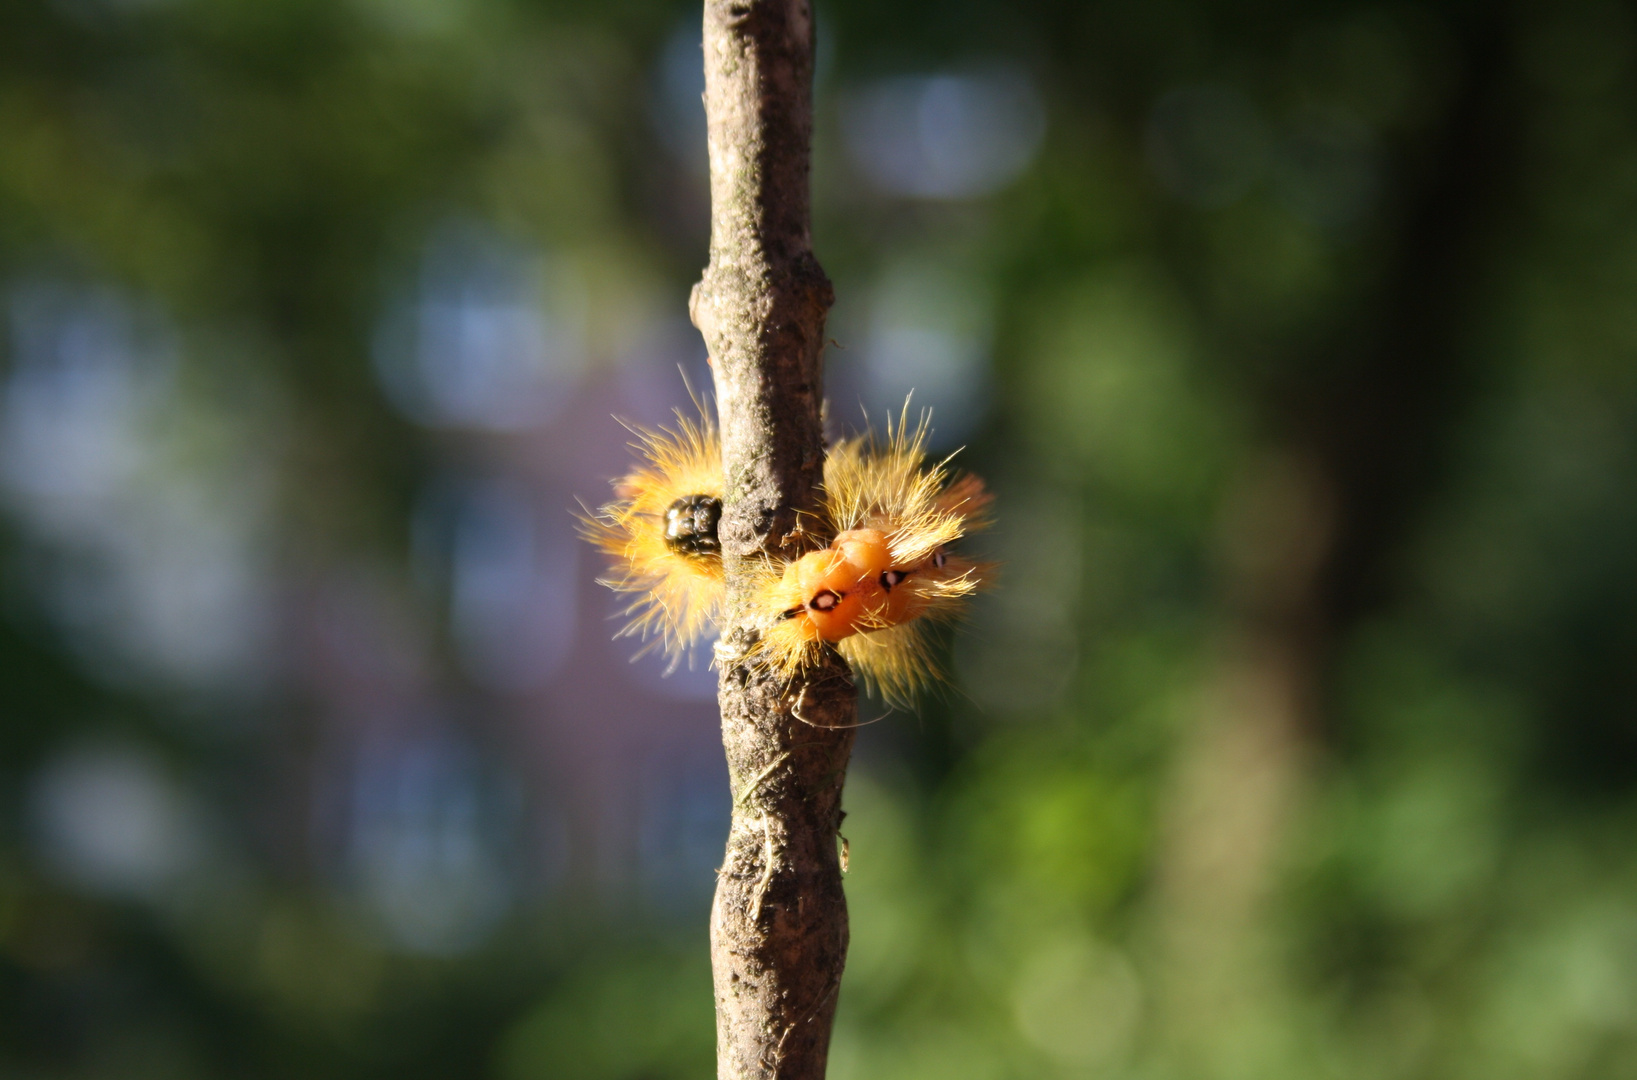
x=779 y=921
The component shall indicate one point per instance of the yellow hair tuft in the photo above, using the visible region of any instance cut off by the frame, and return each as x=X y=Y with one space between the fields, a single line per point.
x=676 y=598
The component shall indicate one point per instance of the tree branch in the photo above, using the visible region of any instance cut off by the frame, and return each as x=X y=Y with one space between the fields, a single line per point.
x=779 y=922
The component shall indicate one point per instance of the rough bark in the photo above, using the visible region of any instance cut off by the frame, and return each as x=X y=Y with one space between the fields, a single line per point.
x=779 y=921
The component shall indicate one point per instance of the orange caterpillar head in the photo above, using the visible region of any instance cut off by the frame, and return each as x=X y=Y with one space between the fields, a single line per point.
x=660 y=535
x=824 y=596
x=840 y=588
x=889 y=591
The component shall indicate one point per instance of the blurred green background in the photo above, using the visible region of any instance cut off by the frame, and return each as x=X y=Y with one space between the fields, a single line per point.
x=1298 y=342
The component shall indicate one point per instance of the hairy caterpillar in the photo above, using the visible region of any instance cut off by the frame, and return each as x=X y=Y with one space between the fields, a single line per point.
x=890 y=570
x=887 y=574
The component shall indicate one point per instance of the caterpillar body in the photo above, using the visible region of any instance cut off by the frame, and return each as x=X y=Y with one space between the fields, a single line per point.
x=873 y=592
